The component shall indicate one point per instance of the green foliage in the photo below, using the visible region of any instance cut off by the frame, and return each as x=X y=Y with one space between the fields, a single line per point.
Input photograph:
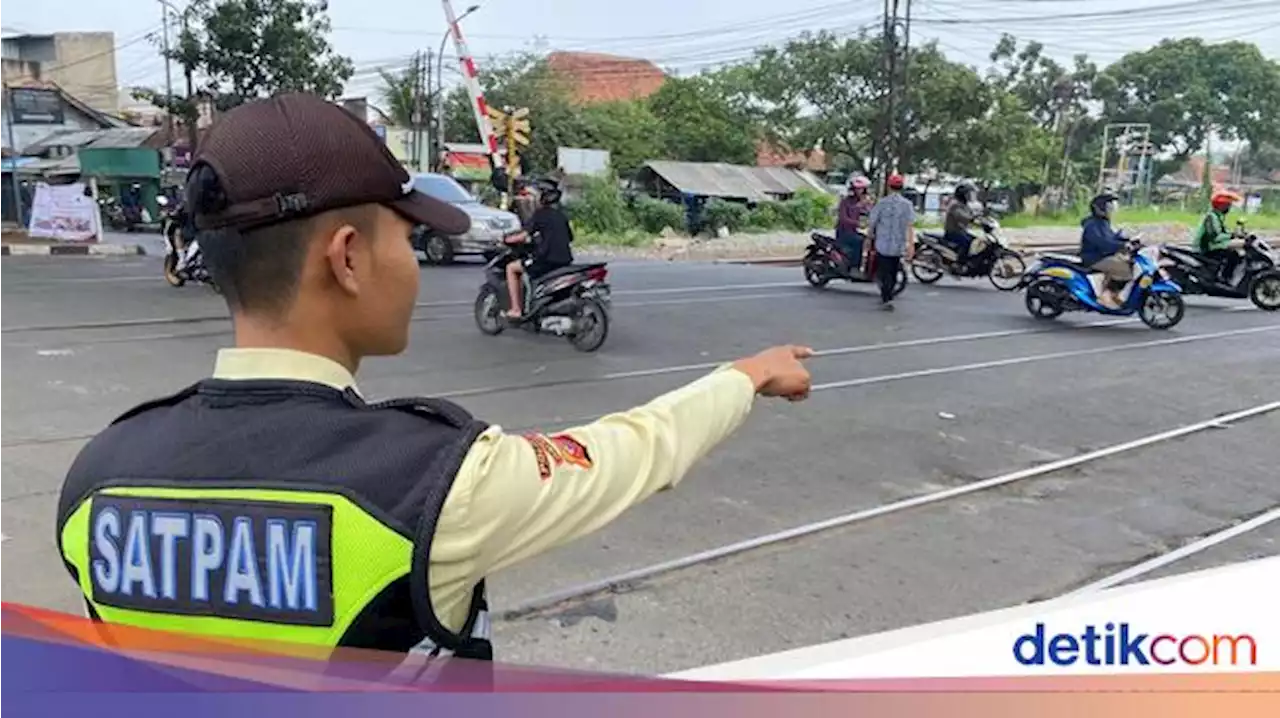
x=655 y=215
x=1187 y=89
x=600 y=207
x=240 y=50
x=765 y=215
x=719 y=213
x=807 y=210
x=629 y=130
x=699 y=123
x=398 y=91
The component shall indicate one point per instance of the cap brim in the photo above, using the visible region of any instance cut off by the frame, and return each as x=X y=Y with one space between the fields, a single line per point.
x=440 y=216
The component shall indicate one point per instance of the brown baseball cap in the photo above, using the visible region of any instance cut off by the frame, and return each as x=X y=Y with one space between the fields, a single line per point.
x=296 y=155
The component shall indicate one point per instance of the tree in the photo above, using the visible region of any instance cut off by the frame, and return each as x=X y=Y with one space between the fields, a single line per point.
x=1187 y=90
x=821 y=89
x=399 y=91
x=239 y=50
x=700 y=121
x=628 y=129
x=1004 y=146
x=522 y=81
x=830 y=90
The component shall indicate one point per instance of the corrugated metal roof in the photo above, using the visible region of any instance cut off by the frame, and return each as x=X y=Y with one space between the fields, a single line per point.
x=719 y=179
x=119 y=137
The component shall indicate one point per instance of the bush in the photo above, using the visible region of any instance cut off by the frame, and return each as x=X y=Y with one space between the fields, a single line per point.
x=719 y=213
x=655 y=215
x=600 y=208
x=808 y=209
x=765 y=215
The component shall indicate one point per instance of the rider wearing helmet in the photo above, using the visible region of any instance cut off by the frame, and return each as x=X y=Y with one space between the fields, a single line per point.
x=854 y=207
x=1102 y=249
x=959 y=217
x=1212 y=238
x=552 y=234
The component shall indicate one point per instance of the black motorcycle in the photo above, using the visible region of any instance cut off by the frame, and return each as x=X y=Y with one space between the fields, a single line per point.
x=172 y=221
x=1256 y=275
x=994 y=259
x=825 y=260
x=570 y=302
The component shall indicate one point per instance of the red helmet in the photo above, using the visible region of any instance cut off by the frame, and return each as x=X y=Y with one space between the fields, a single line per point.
x=896 y=181
x=1223 y=199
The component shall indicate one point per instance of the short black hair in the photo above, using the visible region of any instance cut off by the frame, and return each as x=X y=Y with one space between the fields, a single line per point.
x=257 y=270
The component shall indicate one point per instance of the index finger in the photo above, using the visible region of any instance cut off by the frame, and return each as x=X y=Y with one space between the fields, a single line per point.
x=801 y=352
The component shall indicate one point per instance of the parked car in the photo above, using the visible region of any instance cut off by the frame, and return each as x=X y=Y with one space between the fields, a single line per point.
x=488 y=225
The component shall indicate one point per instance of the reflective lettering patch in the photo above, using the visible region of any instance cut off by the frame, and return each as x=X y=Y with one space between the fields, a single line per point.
x=247 y=560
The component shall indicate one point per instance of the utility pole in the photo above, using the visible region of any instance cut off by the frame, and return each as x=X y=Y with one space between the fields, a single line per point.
x=886 y=147
x=906 y=79
x=168 y=82
x=13 y=175
x=415 y=110
x=427 y=131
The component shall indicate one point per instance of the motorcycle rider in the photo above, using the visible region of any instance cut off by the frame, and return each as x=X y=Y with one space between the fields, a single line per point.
x=854 y=207
x=1212 y=238
x=1103 y=249
x=959 y=217
x=552 y=234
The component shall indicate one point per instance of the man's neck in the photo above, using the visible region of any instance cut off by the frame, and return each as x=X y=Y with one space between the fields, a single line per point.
x=255 y=333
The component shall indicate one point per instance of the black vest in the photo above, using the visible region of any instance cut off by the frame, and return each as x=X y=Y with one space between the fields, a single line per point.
x=396 y=459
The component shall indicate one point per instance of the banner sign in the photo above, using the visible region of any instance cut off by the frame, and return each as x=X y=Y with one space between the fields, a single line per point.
x=64 y=212
x=36 y=107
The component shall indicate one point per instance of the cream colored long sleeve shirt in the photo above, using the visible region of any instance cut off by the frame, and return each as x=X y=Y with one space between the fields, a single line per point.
x=519 y=495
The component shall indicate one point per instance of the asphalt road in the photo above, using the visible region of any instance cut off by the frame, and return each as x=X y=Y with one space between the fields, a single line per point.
x=958 y=385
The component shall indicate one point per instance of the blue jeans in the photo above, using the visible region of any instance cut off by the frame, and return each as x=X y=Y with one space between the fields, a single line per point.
x=961 y=241
x=850 y=243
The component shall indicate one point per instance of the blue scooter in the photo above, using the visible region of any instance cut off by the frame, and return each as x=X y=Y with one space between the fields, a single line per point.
x=1057 y=283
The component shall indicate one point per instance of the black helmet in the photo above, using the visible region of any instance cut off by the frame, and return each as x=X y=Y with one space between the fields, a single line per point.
x=964 y=191
x=1098 y=205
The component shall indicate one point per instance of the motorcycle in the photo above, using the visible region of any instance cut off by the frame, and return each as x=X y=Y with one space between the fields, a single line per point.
x=115 y=215
x=172 y=221
x=990 y=256
x=1059 y=283
x=571 y=302
x=1256 y=276
x=824 y=260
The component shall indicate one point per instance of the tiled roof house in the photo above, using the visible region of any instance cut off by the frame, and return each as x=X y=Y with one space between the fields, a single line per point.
x=597 y=77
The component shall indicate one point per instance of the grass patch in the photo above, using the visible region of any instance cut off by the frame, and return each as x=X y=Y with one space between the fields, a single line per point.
x=1145 y=215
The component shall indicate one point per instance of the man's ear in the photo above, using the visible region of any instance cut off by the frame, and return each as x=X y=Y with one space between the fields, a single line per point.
x=345 y=253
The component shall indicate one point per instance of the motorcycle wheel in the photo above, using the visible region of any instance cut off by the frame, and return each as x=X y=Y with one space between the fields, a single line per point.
x=1264 y=291
x=170 y=270
x=1162 y=310
x=927 y=266
x=1006 y=273
x=488 y=311
x=1044 y=299
x=596 y=320
x=815 y=272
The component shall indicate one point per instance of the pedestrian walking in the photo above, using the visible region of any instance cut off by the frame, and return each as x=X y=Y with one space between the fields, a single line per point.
x=891 y=229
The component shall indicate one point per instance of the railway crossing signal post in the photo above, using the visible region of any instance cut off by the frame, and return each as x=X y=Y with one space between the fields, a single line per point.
x=513 y=128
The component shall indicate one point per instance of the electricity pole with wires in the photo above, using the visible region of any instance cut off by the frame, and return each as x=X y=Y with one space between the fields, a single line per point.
x=887 y=148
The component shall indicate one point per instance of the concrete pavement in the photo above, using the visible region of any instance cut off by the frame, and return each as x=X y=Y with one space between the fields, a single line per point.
x=958 y=385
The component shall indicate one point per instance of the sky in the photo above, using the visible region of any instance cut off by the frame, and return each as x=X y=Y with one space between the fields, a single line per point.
x=685 y=36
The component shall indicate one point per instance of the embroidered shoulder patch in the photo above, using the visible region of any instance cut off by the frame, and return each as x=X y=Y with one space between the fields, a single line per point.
x=544 y=451
x=572 y=450
x=558 y=449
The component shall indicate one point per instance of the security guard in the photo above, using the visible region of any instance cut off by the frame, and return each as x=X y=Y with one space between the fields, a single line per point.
x=272 y=500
